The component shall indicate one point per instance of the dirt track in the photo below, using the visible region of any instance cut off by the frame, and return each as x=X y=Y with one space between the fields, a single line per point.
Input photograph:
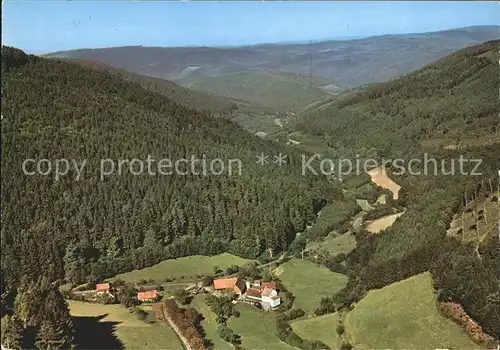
x=161 y=315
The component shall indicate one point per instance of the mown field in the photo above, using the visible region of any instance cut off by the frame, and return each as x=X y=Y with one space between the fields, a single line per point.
x=209 y=323
x=183 y=268
x=319 y=328
x=257 y=328
x=114 y=327
x=309 y=282
x=403 y=315
x=275 y=91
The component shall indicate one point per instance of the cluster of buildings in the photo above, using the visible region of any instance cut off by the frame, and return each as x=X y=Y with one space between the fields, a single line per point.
x=264 y=293
x=149 y=296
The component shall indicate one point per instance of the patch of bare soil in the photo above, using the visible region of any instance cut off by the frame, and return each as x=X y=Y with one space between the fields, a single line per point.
x=380 y=178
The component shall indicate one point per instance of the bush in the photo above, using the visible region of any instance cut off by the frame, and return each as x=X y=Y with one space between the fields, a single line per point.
x=290 y=315
x=346 y=346
x=340 y=329
x=141 y=314
x=183 y=296
x=118 y=282
x=207 y=281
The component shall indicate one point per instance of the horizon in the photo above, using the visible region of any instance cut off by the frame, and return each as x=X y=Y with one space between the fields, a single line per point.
x=299 y=42
x=45 y=27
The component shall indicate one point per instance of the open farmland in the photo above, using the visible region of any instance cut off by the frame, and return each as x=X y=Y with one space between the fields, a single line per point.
x=309 y=282
x=403 y=315
x=257 y=328
x=183 y=268
x=114 y=327
x=320 y=328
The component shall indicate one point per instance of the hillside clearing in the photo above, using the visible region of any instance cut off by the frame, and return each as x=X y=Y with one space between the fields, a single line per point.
x=187 y=267
x=309 y=282
x=335 y=244
x=319 y=328
x=476 y=227
x=403 y=315
x=364 y=204
x=113 y=327
x=383 y=223
x=380 y=178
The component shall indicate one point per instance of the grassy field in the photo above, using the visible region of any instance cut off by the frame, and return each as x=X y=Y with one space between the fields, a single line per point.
x=209 y=324
x=114 y=327
x=275 y=91
x=188 y=267
x=383 y=223
x=309 y=282
x=403 y=315
x=335 y=244
x=319 y=328
x=257 y=328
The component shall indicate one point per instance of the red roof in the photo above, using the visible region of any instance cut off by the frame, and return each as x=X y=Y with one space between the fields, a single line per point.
x=103 y=287
x=270 y=285
x=254 y=293
x=147 y=295
x=225 y=283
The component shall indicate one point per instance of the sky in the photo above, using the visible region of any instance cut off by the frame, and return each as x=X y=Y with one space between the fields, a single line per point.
x=43 y=26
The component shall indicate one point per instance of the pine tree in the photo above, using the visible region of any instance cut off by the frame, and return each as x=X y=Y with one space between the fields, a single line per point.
x=12 y=333
x=50 y=335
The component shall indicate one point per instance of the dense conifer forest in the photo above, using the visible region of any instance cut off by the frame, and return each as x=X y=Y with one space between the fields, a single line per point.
x=90 y=229
x=455 y=97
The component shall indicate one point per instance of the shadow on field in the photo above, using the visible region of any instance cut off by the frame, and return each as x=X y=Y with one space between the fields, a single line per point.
x=91 y=333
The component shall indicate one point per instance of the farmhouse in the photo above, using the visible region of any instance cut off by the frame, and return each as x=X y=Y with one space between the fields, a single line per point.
x=103 y=288
x=148 y=296
x=236 y=284
x=268 y=297
x=269 y=285
x=254 y=295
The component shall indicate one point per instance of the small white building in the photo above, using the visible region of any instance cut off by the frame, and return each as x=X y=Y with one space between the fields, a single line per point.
x=271 y=297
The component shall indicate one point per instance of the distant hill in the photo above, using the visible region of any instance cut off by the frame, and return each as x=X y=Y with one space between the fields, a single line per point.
x=344 y=63
x=452 y=102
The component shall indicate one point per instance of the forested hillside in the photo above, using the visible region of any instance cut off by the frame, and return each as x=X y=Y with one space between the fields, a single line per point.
x=453 y=98
x=88 y=229
x=457 y=97
x=185 y=97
